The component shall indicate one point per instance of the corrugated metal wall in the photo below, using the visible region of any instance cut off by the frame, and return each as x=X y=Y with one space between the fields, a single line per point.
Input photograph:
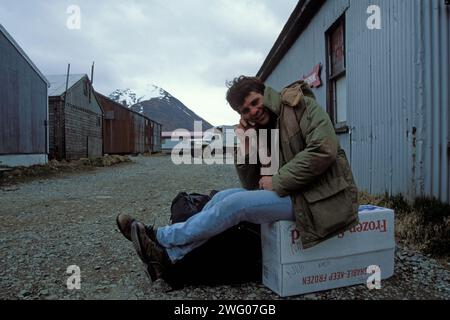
x=117 y=124
x=138 y=133
x=434 y=104
x=156 y=142
x=23 y=104
x=397 y=91
x=125 y=131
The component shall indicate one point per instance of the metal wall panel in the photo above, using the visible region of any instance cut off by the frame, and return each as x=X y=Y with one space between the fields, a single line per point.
x=397 y=93
x=138 y=133
x=157 y=130
x=359 y=94
x=117 y=128
x=23 y=104
x=434 y=17
x=125 y=131
x=78 y=95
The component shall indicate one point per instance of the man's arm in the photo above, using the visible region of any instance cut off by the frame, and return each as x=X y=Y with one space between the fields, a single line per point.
x=319 y=154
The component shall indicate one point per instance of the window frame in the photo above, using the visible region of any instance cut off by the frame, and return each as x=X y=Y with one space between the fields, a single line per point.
x=340 y=127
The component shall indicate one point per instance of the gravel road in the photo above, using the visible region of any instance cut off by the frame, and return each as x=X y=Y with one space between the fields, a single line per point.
x=49 y=224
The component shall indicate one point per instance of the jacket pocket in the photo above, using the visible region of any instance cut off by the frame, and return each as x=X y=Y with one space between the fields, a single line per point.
x=330 y=204
x=326 y=189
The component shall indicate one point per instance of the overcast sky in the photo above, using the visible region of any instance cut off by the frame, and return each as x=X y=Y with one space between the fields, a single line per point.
x=188 y=47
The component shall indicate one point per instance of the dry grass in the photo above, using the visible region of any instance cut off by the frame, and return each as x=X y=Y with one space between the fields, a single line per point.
x=54 y=167
x=423 y=224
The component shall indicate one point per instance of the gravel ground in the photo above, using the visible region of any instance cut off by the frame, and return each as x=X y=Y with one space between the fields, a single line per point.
x=49 y=224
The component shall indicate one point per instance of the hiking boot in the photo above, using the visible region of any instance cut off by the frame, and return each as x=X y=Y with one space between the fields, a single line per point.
x=124 y=222
x=151 y=253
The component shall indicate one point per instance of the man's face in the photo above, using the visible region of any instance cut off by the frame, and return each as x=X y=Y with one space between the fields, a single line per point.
x=253 y=110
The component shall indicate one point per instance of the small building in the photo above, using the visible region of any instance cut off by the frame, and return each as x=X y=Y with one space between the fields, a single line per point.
x=23 y=107
x=381 y=69
x=126 y=131
x=157 y=137
x=196 y=139
x=75 y=124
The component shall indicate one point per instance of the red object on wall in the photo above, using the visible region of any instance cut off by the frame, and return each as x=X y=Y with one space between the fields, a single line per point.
x=313 y=78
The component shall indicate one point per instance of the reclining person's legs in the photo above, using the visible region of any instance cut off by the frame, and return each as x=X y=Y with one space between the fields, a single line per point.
x=241 y=205
x=220 y=196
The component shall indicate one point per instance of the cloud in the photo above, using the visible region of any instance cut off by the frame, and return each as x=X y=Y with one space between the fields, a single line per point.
x=190 y=48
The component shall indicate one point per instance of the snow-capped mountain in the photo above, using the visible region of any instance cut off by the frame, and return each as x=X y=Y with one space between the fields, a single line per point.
x=128 y=97
x=160 y=106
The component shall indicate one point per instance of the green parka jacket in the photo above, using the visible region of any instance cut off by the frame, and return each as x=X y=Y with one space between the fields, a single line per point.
x=314 y=170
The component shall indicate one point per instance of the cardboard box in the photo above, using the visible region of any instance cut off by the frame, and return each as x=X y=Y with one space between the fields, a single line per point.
x=288 y=269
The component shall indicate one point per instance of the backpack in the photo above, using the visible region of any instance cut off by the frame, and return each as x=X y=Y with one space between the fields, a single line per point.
x=185 y=205
x=231 y=257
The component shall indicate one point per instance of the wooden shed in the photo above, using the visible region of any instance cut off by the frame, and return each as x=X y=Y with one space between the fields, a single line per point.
x=23 y=107
x=75 y=115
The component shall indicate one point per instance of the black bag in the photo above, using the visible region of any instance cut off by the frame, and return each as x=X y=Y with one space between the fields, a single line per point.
x=232 y=257
x=186 y=205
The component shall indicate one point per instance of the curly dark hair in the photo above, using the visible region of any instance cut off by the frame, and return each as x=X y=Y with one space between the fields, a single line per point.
x=240 y=88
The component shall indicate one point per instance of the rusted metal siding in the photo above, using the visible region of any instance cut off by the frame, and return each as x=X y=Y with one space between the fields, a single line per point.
x=23 y=103
x=397 y=91
x=125 y=131
x=156 y=143
x=148 y=135
x=117 y=133
x=139 y=133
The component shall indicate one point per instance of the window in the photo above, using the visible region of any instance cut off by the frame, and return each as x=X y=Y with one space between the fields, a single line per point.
x=336 y=75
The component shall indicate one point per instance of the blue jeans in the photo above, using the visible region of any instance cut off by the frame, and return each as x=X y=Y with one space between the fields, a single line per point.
x=225 y=210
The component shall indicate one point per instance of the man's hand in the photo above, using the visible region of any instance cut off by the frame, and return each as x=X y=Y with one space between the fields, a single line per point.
x=265 y=183
x=243 y=126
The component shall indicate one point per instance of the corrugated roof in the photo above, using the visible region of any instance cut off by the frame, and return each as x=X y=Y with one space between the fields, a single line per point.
x=22 y=53
x=58 y=83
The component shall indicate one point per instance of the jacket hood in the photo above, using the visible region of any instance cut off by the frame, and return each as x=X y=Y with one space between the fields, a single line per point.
x=289 y=96
x=272 y=100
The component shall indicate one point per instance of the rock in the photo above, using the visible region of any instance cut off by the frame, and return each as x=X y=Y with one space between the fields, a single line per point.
x=24 y=293
x=43 y=292
x=10 y=188
x=99 y=288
